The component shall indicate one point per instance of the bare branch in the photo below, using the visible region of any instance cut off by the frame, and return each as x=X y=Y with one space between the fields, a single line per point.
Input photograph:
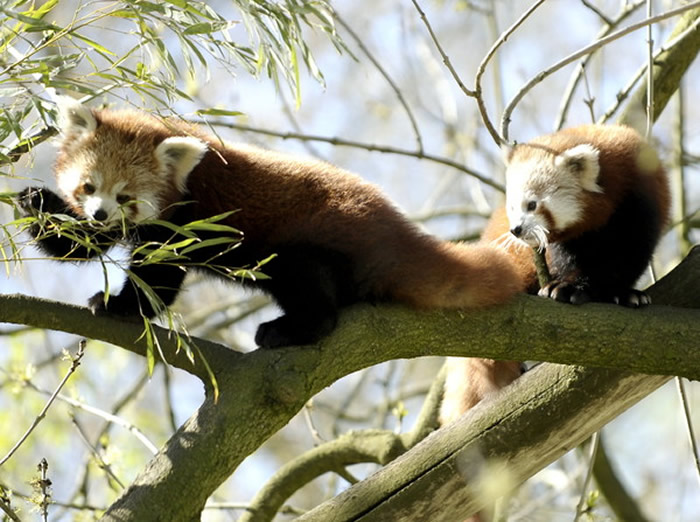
x=505 y=120
x=445 y=58
x=359 y=145
x=626 y=10
x=385 y=75
x=689 y=425
x=75 y=362
x=477 y=93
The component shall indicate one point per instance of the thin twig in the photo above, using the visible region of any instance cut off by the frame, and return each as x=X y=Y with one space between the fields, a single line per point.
x=624 y=93
x=385 y=75
x=359 y=145
x=310 y=423
x=598 y=12
x=167 y=389
x=104 y=415
x=7 y=509
x=445 y=58
x=482 y=68
x=75 y=362
x=626 y=10
x=43 y=485
x=678 y=177
x=691 y=431
x=589 y=100
x=505 y=120
x=581 y=507
x=650 y=72
x=96 y=454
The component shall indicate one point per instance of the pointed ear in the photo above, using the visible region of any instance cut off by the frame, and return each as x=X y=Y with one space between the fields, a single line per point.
x=74 y=118
x=180 y=155
x=582 y=161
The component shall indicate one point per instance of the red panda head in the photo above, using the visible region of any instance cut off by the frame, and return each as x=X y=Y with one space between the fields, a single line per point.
x=115 y=165
x=545 y=188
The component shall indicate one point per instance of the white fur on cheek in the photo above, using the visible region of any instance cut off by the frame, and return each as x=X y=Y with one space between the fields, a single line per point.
x=565 y=209
x=68 y=181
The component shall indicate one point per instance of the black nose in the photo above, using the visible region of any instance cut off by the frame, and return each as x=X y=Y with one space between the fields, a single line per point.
x=100 y=215
x=516 y=230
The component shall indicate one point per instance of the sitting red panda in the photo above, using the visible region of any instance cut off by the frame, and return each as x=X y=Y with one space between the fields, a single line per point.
x=596 y=197
x=336 y=239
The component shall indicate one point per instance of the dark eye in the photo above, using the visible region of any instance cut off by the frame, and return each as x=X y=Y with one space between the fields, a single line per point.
x=123 y=199
x=88 y=188
x=531 y=206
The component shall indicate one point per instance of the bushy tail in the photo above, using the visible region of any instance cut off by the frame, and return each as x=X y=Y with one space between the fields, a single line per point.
x=455 y=275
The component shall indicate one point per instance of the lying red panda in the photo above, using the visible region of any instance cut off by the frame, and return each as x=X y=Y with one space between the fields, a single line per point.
x=596 y=197
x=336 y=238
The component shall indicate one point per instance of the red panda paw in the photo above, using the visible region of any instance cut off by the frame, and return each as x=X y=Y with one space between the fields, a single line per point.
x=96 y=304
x=633 y=299
x=37 y=199
x=293 y=330
x=117 y=305
x=566 y=292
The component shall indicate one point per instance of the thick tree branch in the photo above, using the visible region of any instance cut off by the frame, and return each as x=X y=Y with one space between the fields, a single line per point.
x=536 y=420
x=128 y=334
x=260 y=391
x=656 y=340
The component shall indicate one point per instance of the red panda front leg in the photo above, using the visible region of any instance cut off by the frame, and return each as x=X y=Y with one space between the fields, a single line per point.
x=164 y=281
x=310 y=284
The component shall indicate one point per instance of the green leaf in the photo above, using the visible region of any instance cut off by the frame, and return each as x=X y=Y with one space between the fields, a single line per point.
x=208 y=243
x=150 y=348
x=93 y=43
x=219 y=112
x=208 y=27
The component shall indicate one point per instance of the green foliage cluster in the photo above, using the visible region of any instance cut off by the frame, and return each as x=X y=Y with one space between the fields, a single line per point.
x=61 y=45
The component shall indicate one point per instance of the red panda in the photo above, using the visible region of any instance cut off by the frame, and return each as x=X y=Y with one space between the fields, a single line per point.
x=596 y=198
x=336 y=239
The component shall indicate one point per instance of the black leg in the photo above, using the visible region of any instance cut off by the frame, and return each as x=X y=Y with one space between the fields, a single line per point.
x=310 y=285
x=164 y=281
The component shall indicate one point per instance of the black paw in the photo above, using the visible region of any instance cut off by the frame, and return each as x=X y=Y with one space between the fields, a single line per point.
x=633 y=299
x=33 y=200
x=30 y=201
x=96 y=304
x=288 y=331
x=276 y=333
x=115 y=306
x=565 y=292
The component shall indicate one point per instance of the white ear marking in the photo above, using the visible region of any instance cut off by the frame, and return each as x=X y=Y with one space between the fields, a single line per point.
x=179 y=155
x=74 y=117
x=582 y=160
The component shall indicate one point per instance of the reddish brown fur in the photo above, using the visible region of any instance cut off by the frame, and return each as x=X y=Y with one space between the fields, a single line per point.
x=287 y=200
